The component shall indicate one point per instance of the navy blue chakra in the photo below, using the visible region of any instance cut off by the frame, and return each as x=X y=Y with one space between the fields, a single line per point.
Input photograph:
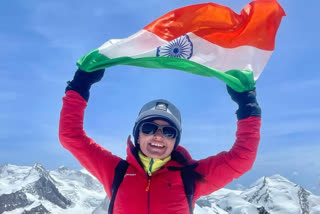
x=180 y=47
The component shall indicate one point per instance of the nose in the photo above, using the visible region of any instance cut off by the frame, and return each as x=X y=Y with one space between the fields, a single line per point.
x=158 y=133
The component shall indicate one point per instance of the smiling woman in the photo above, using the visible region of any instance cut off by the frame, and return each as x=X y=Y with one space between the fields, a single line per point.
x=41 y=40
x=163 y=170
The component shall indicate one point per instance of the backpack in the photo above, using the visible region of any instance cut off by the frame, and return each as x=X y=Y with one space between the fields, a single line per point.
x=188 y=182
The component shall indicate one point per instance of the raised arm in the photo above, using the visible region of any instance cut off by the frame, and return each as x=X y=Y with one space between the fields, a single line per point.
x=222 y=168
x=97 y=160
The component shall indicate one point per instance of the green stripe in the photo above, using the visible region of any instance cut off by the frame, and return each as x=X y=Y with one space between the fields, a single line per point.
x=239 y=80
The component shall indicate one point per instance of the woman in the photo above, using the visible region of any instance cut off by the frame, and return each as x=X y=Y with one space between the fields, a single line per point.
x=161 y=176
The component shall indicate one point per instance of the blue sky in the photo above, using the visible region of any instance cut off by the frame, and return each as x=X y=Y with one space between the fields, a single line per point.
x=40 y=42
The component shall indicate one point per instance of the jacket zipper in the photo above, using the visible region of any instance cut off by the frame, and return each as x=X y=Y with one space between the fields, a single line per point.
x=148 y=190
x=149 y=183
x=150 y=167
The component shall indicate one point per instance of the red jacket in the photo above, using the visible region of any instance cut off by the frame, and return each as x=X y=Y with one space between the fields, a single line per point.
x=166 y=192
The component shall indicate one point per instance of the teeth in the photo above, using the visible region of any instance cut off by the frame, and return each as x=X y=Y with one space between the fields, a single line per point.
x=158 y=145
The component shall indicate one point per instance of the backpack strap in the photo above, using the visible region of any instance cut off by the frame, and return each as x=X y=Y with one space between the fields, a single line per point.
x=189 y=186
x=188 y=179
x=120 y=171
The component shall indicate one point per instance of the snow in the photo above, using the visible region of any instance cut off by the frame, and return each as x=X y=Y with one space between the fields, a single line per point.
x=235 y=204
x=208 y=210
x=316 y=210
x=279 y=195
x=85 y=192
x=13 y=178
x=275 y=194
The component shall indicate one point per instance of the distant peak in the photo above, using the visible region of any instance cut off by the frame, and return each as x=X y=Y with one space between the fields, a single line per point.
x=7 y=165
x=62 y=169
x=40 y=169
x=4 y=165
x=38 y=165
x=278 y=177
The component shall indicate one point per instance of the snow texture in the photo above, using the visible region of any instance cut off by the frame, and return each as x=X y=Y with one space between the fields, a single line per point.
x=30 y=190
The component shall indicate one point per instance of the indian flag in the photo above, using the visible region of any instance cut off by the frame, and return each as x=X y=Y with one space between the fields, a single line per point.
x=205 y=39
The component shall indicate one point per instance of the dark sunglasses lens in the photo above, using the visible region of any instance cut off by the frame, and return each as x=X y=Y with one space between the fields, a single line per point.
x=149 y=128
x=169 y=132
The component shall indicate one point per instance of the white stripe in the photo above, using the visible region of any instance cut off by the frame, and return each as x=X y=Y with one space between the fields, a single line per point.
x=225 y=59
x=140 y=42
x=144 y=44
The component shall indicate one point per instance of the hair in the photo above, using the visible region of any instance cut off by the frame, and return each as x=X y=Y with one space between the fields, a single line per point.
x=188 y=168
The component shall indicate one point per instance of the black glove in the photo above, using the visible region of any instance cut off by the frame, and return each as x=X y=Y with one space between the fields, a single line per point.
x=248 y=105
x=83 y=80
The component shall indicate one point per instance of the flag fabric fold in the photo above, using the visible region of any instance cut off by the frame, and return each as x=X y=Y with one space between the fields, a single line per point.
x=205 y=39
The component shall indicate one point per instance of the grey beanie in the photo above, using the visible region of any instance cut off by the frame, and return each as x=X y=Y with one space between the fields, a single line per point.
x=158 y=109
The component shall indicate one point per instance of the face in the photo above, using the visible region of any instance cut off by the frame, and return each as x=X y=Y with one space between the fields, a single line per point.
x=156 y=146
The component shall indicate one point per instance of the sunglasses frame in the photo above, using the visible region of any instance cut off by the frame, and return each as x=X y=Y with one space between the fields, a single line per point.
x=161 y=128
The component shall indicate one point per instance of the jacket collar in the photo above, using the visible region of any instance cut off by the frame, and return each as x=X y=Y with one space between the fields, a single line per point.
x=134 y=160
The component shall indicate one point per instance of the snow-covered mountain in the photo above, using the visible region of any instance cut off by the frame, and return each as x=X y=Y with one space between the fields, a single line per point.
x=268 y=195
x=31 y=190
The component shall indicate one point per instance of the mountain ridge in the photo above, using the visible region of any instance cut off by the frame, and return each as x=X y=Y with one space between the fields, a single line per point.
x=31 y=190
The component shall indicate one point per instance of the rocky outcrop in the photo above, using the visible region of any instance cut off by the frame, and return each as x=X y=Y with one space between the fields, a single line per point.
x=35 y=190
x=203 y=202
x=46 y=190
x=13 y=201
x=303 y=200
x=37 y=210
x=262 y=210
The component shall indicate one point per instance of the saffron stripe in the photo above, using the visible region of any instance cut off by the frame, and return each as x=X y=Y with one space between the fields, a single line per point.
x=256 y=25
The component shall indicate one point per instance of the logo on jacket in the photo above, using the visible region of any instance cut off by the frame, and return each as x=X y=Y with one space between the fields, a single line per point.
x=130 y=174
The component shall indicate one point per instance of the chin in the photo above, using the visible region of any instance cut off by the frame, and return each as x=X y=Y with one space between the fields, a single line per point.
x=157 y=156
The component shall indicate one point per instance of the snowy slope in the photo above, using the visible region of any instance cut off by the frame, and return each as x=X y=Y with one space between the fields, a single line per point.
x=278 y=195
x=30 y=190
x=274 y=195
x=24 y=188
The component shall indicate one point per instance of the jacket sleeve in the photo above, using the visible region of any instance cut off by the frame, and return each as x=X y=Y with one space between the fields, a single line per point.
x=97 y=160
x=222 y=168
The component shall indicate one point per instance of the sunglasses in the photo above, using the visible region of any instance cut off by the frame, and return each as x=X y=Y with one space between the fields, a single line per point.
x=150 y=128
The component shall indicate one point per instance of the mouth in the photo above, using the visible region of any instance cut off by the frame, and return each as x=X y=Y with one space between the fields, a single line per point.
x=157 y=145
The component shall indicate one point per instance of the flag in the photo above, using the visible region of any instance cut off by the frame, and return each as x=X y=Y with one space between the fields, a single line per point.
x=207 y=39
